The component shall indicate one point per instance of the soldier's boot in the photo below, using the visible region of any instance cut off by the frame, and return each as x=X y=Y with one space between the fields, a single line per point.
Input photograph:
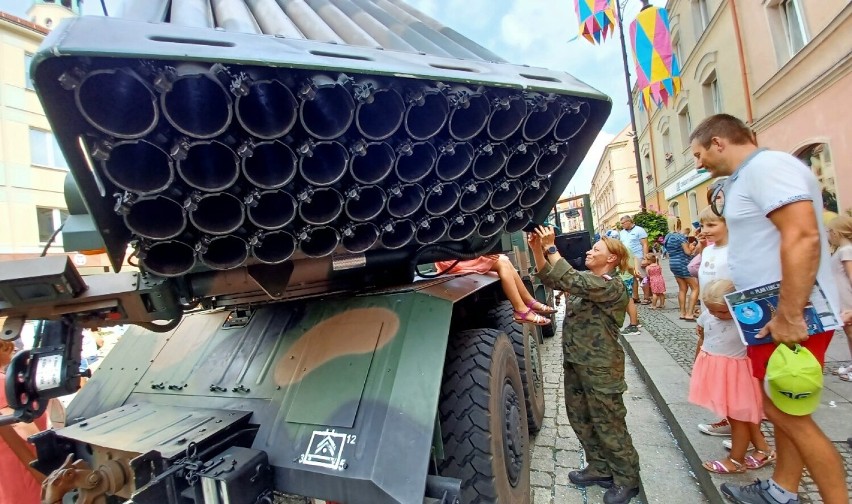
x=586 y=477
x=620 y=494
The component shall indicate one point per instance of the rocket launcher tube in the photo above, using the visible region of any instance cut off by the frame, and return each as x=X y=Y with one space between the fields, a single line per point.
x=137 y=166
x=454 y=160
x=371 y=163
x=415 y=160
x=490 y=159
x=431 y=229
x=117 y=102
x=475 y=195
x=462 y=226
x=273 y=247
x=268 y=165
x=551 y=159
x=155 y=217
x=326 y=107
x=266 y=109
x=271 y=209
x=544 y=112
x=168 y=258
x=215 y=213
x=507 y=115
x=222 y=252
x=319 y=205
x=441 y=197
x=194 y=99
x=492 y=223
x=322 y=163
x=470 y=112
x=364 y=203
x=405 y=199
x=506 y=192
x=318 y=241
x=206 y=165
x=380 y=111
x=360 y=237
x=426 y=111
x=522 y=159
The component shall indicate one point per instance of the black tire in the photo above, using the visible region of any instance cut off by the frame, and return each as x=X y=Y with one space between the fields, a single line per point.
x=486 y=442
x=525 y=341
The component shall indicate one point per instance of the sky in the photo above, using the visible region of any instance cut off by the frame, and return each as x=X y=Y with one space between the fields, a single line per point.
x=541 y=33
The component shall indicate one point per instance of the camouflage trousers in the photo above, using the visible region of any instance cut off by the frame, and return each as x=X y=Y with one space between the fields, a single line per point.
x=593 y=398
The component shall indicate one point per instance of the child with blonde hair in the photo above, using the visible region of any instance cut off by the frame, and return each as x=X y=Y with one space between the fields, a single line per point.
x=840 y=238
x=722 y=381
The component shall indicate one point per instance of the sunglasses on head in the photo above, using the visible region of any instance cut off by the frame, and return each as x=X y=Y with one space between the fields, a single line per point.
x=717 y=200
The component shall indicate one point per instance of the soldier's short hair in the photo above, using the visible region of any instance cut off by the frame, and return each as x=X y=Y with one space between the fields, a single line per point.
x=714 y=292
x=616 y=247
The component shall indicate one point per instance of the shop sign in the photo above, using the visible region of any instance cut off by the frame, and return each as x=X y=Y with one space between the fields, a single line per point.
x=685 y=183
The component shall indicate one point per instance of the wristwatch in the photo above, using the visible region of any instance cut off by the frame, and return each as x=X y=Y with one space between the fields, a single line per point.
x=551 y=250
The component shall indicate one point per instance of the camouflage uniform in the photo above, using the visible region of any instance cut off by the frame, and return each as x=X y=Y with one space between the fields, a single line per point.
x=594 y=369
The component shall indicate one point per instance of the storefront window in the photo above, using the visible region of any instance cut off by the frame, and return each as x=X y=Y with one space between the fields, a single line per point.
x=818 y=158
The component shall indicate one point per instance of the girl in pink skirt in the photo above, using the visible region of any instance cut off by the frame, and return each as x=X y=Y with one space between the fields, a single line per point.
x=722 y=382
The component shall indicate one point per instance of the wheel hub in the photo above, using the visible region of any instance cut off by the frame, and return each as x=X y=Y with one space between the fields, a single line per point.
x=513 y=443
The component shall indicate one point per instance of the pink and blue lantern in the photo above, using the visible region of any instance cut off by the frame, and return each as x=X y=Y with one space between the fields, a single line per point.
x=657 y=67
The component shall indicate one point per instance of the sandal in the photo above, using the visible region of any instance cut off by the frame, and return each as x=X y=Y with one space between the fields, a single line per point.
x=538 y=307
x=645 y=302
x=719 y=467
x=753 y=462
x=847 y=376
x=530 y=317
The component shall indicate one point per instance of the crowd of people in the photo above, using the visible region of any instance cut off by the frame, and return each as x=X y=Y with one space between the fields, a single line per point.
x=763 y=225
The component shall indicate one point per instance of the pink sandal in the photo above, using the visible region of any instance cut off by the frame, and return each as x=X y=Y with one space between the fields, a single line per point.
x=539 y=307
x=719 y=467
x=536 y=319
x=753 y=462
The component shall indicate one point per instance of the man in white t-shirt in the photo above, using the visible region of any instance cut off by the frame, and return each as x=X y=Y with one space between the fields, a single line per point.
x=771 y=202
x=635 y=238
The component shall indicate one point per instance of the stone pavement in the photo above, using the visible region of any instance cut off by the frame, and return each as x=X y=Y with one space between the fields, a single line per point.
x=666 y=474
x=664 y=352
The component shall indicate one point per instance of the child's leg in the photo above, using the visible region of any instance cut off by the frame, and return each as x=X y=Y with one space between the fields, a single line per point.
x=507 y=275
x=740 y=437
x=736 y=461
x=763 y=454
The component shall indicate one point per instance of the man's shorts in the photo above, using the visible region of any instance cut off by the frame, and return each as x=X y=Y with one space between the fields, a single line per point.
x=759 y=354
x=628 y=282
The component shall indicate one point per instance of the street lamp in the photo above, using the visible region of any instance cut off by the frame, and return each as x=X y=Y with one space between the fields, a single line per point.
x=635 y=135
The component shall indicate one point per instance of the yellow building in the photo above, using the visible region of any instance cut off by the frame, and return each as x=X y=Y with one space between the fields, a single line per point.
x=712 y=68
x=615 y=190
x=32 y=203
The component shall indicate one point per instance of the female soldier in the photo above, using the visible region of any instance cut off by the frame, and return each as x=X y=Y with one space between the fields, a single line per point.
x=593 y=360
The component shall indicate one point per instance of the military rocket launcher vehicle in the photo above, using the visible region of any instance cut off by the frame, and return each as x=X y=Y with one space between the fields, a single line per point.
x=278 y=171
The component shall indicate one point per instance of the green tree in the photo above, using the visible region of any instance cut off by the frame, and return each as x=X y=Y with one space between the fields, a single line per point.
x=656 y=224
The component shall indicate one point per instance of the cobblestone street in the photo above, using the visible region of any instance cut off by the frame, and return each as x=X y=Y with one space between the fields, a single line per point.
x=556 y=451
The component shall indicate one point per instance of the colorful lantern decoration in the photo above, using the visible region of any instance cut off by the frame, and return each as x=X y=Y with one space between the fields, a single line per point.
x=597 y=19
x=657 y=67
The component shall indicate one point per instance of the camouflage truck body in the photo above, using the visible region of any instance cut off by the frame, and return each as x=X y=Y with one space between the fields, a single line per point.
x=279 y=181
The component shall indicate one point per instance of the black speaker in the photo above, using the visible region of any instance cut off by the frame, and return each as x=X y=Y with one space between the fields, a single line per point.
x=573 y=247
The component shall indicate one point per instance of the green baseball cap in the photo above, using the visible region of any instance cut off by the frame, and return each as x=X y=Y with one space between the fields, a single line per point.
x=794 y=380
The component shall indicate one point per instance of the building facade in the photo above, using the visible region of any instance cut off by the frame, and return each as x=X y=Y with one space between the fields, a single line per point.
x=789 y=78
x=615 y=189
x=704 y=40
x=32 y=167
x=800 y=74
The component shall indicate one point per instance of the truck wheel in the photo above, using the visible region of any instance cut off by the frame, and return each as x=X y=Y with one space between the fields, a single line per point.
x=482 y=411
x=527 y=350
